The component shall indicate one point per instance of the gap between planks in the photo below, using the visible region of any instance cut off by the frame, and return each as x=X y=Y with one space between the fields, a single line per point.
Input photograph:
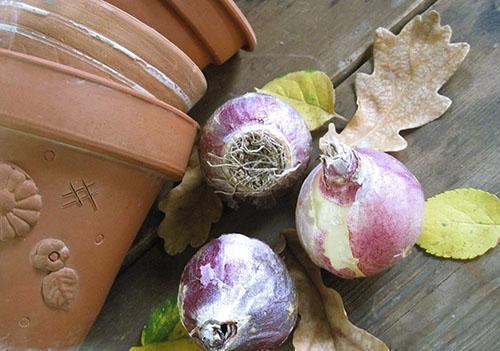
x=364 y=53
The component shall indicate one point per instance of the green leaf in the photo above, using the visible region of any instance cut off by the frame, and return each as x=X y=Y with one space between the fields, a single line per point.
x=164 y=324
x=176 y=345
x=311 y=93
x=461 y=224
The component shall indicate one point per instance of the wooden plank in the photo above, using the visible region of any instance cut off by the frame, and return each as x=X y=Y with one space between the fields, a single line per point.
x=147 y=235
x=424 y=303
x=135 y=293
x=342 y=33
x=332 y=36
x=428 y=303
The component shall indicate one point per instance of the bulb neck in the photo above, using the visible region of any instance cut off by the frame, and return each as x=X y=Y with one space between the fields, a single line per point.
x=340 y=162
x=340 y=165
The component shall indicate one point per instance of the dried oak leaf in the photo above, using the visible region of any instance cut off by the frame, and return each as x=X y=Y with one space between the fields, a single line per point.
x=323 y=324
x=190 y=209
x=402 y=91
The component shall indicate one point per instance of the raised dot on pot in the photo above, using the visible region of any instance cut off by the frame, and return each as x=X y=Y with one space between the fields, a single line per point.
x=49 y=255
x=99 y=239
x=49 y=155
x=24 y=322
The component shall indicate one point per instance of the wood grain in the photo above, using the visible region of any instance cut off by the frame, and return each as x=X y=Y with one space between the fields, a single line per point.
x=331 y=36
x=427 y=303
x=424 y=303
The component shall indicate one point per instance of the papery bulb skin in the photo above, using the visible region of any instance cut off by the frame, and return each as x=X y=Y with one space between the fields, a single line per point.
x=254 y=148
x=236 y=294
x=359 y=211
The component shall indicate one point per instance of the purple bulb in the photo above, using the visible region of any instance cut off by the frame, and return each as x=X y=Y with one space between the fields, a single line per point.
x=254 y=148
x=236 y=294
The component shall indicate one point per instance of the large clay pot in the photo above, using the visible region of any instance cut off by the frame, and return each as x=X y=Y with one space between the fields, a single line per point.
x=207 y=30
x=99 y=38
x=81 y=161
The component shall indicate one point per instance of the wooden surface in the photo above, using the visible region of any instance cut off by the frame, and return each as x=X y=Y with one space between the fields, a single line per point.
x=423 y=303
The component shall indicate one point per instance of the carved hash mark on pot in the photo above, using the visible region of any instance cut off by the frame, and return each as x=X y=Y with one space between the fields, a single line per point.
x=60 y=289
x=79 y=194
x=49 y=255
x=20 y=202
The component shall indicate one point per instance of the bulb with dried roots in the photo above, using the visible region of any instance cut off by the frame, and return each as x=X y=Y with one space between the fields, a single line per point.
x=253 y=148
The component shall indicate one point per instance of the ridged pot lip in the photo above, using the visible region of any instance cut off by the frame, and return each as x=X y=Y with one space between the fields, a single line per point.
x=140 y=156
x=142 y=33
x=219 y=49
x=196 y=71
x=244 y=24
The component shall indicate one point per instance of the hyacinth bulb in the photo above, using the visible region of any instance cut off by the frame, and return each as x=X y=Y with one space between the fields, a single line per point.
x=236 y=294
x=253 y=148
x=359 y=211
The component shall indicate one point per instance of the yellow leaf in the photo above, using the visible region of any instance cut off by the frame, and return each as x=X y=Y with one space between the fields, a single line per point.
x=461 y=224
x=323 y=324
x=177 y=345
x=402 y=91
x=190 y=209
x=311 y=93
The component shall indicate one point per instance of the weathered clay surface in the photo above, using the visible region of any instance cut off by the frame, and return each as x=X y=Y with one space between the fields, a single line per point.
x=101 y=39
x=98 y=153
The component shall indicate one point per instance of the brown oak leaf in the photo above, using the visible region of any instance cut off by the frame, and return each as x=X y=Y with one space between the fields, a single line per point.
x=323 y=324
x=190 y=210
x=402 y=91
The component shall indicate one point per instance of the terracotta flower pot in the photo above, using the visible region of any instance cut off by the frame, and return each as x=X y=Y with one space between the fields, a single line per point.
x=81 y=162
x=207 y=30
x=99 y=38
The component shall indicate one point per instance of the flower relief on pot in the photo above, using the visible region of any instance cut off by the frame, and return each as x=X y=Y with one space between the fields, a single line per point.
x=50 y=255
x=20 y=202
x=61 y=285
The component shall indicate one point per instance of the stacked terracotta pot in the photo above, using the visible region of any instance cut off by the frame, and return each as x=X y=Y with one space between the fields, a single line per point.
x=92 y=122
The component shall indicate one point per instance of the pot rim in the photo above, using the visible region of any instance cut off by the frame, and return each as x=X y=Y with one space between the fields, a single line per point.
x=120 y=151
x=244 y=24
x=158 y=77
x=173 y=49
x=213 y=46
